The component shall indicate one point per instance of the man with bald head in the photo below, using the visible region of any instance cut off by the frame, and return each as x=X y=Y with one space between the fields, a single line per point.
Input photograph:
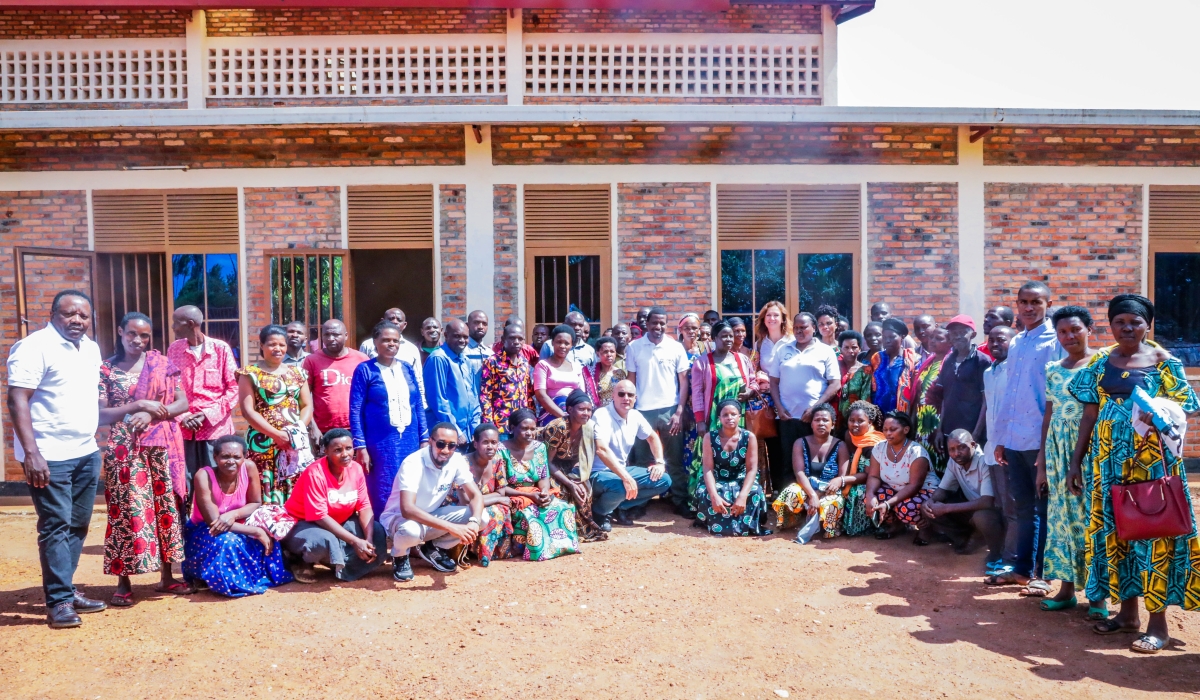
x=621 y=491
x=409 y=352
x=451 y=390
x=329 y=372
x=206 y=373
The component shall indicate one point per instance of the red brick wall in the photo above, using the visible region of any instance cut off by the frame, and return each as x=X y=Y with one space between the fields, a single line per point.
x=506 y=277
x=1084 y=241
x=1096 y=146
x=92 y=24
x=665 y=247
x=756 y=19
x=44 y=220
x=912 y=243
x=279 y=147
x=286 y=22
x=277 y=219
x=723 y=143
x=453 y=240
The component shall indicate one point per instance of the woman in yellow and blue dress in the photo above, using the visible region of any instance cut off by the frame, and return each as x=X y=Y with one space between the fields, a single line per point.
x=1163 y=571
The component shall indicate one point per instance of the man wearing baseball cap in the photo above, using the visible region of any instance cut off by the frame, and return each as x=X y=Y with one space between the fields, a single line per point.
x=960 y=382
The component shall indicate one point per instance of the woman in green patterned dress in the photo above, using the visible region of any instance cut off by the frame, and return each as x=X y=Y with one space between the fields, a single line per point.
x=716 y=376
x=1066 y=514
x=543 y=524
x=1164 y=571
x=923 y=410
x=274 y=398
x=729 y=501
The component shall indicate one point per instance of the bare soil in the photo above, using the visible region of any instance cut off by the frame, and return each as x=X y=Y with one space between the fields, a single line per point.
x=659 y=611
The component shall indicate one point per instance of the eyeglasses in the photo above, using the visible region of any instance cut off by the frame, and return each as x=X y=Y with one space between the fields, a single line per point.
x=443 y=444
x=627 y=394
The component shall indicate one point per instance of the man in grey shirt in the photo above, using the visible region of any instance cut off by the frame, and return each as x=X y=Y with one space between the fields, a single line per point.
x=1019 y=427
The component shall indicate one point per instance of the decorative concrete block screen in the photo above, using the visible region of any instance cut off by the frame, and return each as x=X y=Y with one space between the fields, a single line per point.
x=359 y=66
x=685 y=65
x=98 y=70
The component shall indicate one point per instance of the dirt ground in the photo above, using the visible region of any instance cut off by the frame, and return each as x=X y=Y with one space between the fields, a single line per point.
x=659 y=611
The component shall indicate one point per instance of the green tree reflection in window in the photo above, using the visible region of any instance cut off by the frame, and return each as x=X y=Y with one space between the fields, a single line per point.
x=826 y=278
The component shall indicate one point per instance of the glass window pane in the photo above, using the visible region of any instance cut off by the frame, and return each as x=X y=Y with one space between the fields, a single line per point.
x=826 y=278
x=584 y=274
x=737 y=282
x=222 y=286
x=337 y=288
x=188 y=280
x=770 y=277
x=1177 y=305
x=230 y=333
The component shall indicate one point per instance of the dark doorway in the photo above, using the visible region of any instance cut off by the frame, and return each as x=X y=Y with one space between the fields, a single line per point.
x=384 y=278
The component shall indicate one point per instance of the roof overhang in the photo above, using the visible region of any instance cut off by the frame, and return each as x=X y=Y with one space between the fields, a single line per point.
x=595 y=114
x=844 y=9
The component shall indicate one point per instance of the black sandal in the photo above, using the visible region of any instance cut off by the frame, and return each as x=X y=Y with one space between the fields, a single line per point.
x=920 y=542
x=884 y=535
x=1106 y=627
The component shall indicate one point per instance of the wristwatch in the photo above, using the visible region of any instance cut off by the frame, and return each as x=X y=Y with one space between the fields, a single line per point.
x=473 y=519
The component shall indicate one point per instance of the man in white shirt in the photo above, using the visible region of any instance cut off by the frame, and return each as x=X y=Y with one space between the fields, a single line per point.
x=964 y=500
x=581 y=354
x=53 y=402
x=414 y=515
x=616 y=487
x=995 y=384
x=409 y=352
x=803 y=373
x=659 y=367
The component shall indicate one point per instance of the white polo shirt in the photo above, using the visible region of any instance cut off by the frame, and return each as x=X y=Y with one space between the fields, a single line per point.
x=66 y=397
x=420 y=475
x=618 y=434
x=657 y=368
x=803 y=374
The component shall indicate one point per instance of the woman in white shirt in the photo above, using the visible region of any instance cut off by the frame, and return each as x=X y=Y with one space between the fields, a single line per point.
x=772 y=330
x=899 y=479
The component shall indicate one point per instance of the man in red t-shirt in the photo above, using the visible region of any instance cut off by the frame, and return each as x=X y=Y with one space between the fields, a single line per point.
x=329 y=373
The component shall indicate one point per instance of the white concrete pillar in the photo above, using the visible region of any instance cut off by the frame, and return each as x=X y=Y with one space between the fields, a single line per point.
x=197 y=58
x=829 y=57
x=481 y=259
x=972 y=285
x=514 y=58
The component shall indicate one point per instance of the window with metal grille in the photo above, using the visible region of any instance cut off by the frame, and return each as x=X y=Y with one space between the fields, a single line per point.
x=309 y=286
x=568 y=253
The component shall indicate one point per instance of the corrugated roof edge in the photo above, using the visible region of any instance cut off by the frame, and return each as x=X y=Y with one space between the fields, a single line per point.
x=605 y=113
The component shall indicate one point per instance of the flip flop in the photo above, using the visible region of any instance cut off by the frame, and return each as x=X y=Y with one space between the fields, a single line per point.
x=1111 y=626
x=1097 y=613
x=1052 y=605
x=1153 y=644
x=1036 y=588
x=177 y=588
x=1007 y=578
x=121 y=600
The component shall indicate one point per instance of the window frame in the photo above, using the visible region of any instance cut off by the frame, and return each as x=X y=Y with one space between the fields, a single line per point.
x=792 y=270
x=347 y=284
x=1168 y=245
x=534 y=252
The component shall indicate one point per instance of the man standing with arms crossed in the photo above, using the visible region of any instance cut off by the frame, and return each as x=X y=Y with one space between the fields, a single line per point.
x=53 y=400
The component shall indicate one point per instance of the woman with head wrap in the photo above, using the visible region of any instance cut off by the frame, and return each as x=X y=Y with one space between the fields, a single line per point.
x=1110 y=450
x=896 y=368
x=571 y=442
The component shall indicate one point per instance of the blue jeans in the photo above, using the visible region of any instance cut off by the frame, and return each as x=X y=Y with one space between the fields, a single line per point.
x=608 y=492
x=1031 y=512
x=64 y=511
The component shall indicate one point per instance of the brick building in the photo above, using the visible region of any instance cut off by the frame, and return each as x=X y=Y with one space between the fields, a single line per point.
x=281 y=162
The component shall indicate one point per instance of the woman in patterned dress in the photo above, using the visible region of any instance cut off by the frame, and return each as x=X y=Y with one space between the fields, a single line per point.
x=571 y=445
x=495 y=536
x=818 y=460
x=601 y=377
x=715 y=376
x=144 y=470
x=923 y=409
x=688 y=333
x=857 y=380
x=899 y=479
x=274 y=399
x=1066 y=514
x=1165 y=571
x=729 y=500
x=543 y=524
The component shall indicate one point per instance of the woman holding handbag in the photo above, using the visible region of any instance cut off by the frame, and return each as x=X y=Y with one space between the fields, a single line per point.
x=1164 y=570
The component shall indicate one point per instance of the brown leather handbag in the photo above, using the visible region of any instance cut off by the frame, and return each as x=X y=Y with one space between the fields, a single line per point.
x=1150 y=510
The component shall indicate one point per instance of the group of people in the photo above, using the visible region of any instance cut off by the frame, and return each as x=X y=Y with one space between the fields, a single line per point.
x=462 y=453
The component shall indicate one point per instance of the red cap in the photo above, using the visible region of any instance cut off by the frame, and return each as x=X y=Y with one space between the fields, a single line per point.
x=964 y=320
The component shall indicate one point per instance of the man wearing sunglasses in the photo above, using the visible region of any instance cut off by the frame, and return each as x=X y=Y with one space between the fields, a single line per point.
x=414 y=515
x=616 y=487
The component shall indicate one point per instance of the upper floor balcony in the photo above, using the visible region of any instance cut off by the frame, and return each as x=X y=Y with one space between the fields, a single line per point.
x=172 y=58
